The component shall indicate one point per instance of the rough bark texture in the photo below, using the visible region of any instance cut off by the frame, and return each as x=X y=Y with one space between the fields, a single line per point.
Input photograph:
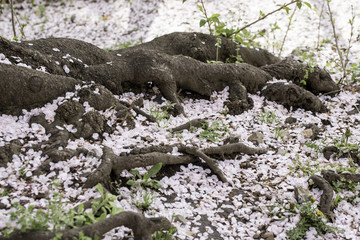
x=172 y=62
x=326 y=200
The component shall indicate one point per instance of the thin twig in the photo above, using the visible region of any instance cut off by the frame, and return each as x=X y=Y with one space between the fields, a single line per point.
x=287 y=30
x=263 y=17
x=350 y=38
x=319 y=26
x=12 y=17
x=336 y=40
x=206 y=16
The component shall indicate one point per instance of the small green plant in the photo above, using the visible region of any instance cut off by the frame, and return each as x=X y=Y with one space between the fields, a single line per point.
x=346 y=148
x=344 y=184
x=354 y=71
x=268 y=117
x=218 y=46
x=139 y=186
x=279 y=133
x=308 y=58
x=56 y=218
x=162 y=113
x=145 y=181
x=310 y=216
x=166 y=235
x=212 y=132
x=304 y=167
x=146 y=201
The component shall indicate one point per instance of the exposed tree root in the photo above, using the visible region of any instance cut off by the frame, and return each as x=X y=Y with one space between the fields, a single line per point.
x=326 y=200
x=209 y=161
x=192 y=123
x=332 y=176
x=155 y=154
x=142 y=227
x=324 y=183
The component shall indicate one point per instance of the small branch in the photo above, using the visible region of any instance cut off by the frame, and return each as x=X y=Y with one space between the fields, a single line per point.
x=350 y=39
x=12 y=17
x=332 y=20
x=206 y=16
x=319 y=26
x=263 y=17
x=287 y=30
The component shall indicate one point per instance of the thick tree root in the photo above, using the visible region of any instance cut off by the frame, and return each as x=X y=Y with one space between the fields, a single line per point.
x=326 y=200
x=209 y=161
x=155 y=154
x=332 y=176
x=142 y=227
x=324 y=183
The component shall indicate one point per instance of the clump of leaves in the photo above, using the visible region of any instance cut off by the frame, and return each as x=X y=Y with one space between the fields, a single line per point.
x=268 y=117
x=212 y=132
x=140 y=184
x=162 y=113
x=310 y=216
x=145 y=180
x=344 y=184
x=56 y=218
x=345 y=148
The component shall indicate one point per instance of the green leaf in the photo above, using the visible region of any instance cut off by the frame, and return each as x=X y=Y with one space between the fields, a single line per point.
x=307 y=4
x=184 y=1
x=215 y=15
x=287 y=9
x=131 y=182
x=214 y=19
x=202 y=22
x=81 y=208
x=155 y=169
x=135 y=173
x=200 y=8
x=100 y=189
x=299 y=4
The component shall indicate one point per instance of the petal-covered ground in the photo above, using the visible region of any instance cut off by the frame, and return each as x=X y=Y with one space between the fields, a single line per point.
x=259 y=200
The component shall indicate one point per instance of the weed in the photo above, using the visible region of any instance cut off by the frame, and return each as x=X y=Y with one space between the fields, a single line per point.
x=346 y=148
x=56 y=218
x=162 y=113
x=145 y=181
x=279 y=133
x=147 y=198
x=310 y=216
x=344 y=184
x=146 y=201
x=218 y=46
x=212 y=132
x=166 y=235
x=268 y=117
